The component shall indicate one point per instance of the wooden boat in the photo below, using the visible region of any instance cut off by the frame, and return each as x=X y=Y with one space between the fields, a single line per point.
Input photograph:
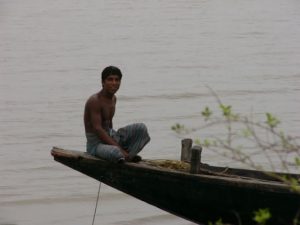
x=215 y=192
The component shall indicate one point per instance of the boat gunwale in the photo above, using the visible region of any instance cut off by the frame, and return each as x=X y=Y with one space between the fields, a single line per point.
x=233 y=180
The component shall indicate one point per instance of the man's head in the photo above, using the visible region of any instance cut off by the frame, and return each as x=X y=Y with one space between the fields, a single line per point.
x=111 y=70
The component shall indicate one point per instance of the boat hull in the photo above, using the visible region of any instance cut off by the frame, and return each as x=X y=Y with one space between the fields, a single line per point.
x=198 y=198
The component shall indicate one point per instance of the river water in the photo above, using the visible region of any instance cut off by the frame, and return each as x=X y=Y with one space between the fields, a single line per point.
x=170 y=51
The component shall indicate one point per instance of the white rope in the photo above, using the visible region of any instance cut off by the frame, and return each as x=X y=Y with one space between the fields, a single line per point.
x=96 y=203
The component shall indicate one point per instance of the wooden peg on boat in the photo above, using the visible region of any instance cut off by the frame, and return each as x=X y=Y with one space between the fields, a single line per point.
x=186 y=145
x=196 y=159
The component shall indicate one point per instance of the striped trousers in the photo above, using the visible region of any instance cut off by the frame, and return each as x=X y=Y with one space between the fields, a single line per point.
x=131 y=138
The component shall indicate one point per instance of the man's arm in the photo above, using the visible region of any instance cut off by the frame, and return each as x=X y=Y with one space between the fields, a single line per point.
x=96 y=120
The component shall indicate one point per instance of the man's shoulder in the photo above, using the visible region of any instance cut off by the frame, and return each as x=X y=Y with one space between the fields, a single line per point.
x=93 y=100
x=93 y=97
x=99 y=100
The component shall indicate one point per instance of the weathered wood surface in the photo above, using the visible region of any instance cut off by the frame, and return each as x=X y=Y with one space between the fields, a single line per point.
x=196 y=159
x=186 y=145
x=197 y=197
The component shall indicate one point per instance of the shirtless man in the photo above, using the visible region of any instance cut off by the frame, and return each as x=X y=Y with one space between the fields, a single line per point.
x=102 y=140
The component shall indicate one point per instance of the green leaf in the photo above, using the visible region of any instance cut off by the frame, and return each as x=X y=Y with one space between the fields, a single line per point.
x=226 y=110
x=178 y=128
x=207 y=143
x=206 y=113
x=297 y=161
x=262 y=216
x=272 y=121
x=294 y=183
x=247 y=132
x=218 y=222
x=197 y=141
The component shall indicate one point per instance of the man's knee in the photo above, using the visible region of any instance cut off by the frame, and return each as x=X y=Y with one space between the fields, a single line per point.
x=116 y=151
x=141 y=127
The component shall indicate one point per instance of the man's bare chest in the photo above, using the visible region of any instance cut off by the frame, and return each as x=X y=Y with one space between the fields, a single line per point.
x=107 y=111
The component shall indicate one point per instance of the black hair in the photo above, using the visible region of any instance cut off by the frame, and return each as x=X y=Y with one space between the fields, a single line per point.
x=111 y=70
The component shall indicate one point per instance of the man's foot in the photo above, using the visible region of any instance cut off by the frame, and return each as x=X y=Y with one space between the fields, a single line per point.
x=135 y=159
x=121 y=160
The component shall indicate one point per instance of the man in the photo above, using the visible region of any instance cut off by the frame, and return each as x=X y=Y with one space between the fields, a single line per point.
x=102 y=140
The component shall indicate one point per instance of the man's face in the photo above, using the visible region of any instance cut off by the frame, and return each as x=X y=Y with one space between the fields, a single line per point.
x=112 y=84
